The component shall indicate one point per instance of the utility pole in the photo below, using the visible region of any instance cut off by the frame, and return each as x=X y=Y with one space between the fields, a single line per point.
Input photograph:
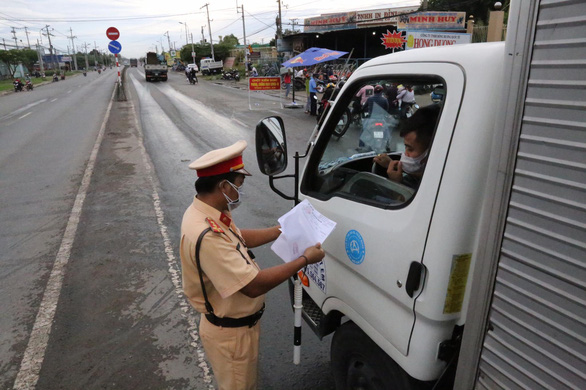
x=279 y=24
x=40 y=57
x=4 y=43
x=186 y=33
x=27 y=40
x=203 y=38
x=87 y=65
x=51 y=48
x=210 y=29
x=168 y=40
x=73 y=45
x=95 y=54
x=245 y=46
x=293 y=23
x=15 y=40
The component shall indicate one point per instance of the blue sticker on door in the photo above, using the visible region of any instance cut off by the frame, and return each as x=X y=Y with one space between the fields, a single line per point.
x=355 y=247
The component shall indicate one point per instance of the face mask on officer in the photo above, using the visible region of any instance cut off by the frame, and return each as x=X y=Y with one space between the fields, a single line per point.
x=233 y=204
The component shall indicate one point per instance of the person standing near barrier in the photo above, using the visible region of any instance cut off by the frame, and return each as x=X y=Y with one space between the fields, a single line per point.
x=220 y=277
x=287 y=82
x=313 y=94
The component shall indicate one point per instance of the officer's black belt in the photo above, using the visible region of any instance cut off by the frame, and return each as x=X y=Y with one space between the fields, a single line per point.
x=225 y=322
x=228 y=322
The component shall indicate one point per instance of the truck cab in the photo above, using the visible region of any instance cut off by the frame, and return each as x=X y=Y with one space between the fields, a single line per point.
x=395 y=275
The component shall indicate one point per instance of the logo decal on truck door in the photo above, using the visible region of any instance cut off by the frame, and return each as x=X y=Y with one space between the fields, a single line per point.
x=355 y=247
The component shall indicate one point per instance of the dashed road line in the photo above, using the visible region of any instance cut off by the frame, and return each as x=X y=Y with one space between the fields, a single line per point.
x=25 y=115
x=54 y=100
x=30 y=367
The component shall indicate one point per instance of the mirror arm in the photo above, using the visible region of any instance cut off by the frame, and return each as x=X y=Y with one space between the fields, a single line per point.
x=276 y=190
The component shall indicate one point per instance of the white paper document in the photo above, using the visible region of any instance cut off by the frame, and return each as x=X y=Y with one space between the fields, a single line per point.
x=301 y=228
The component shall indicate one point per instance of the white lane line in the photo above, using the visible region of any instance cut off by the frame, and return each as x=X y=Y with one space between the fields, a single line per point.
x=69 y=91
x=25 y=115
x=187 y=311
x=30 y=367
x=54 y=100
x=22 y=109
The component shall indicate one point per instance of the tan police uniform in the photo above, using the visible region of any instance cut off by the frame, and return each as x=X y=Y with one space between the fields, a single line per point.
x=229 y=327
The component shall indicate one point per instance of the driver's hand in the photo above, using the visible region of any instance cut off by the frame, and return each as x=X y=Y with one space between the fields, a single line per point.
x=383 y=160
x=395 y=171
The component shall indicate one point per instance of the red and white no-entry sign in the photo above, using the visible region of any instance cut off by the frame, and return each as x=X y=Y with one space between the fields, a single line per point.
x=112 y=33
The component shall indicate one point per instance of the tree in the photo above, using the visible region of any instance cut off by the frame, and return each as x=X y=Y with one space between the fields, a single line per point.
x=479 y=8
x=229 y=40
x=13 y=57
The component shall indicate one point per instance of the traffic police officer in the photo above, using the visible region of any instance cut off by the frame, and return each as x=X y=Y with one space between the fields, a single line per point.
x=220 y=277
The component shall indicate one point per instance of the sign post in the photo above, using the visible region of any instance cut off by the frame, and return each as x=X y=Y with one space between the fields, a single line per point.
x=114 y=46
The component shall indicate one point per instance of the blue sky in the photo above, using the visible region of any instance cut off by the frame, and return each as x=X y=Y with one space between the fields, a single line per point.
x=143 y=24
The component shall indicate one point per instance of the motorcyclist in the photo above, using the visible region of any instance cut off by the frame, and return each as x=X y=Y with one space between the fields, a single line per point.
x=192 y=75
x=55 y=77
x=17 y=85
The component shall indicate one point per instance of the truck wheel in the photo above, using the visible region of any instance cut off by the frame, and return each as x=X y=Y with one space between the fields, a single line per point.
x=358 y=363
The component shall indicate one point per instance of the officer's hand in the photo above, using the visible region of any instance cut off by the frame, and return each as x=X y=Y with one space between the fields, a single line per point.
x=314 y=253
x=395 y=171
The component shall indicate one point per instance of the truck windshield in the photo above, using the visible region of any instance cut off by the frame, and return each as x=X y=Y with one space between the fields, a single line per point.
x=377 y=124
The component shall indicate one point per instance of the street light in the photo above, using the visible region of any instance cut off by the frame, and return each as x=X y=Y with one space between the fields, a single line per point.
x=186 y=33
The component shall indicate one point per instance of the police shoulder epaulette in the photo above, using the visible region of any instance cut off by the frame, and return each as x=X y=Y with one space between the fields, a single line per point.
x=215 y=227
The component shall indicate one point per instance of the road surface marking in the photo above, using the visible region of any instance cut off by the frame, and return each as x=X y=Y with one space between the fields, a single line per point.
x=22 y=109
x=25 y=115
x=30 y=367
x=187 y=311
x=69 y=91
x=54 y=100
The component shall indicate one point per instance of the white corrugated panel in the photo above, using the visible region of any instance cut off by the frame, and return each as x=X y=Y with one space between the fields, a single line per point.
x=537 y=336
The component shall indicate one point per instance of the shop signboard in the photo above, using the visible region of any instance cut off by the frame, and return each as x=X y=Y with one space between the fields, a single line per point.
x=330 y=22
x=382 y=17
x=421 y=39
x=433 y=21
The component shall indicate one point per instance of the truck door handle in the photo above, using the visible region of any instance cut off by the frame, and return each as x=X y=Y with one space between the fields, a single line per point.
x=414 y=278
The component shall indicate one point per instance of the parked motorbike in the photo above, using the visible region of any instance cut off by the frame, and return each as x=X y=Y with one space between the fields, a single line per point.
x=55 y=77
x=63 y=76
x=232 y=74
x=29 y=85
x=17 y=85
x=99 y=71
x=84 y=73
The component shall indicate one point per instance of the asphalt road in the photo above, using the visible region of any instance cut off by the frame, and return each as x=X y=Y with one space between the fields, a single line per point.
x=120 y=320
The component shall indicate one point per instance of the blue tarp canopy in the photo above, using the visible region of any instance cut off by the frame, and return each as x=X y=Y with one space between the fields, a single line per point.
x=313 y=56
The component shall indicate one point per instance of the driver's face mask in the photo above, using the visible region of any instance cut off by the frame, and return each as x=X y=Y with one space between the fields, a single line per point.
x=413 y=165
x=233 y=204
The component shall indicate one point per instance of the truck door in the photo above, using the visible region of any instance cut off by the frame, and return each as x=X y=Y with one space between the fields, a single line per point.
x=372 y=272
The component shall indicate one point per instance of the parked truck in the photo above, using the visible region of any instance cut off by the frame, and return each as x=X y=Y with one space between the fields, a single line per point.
x=155 y=68
x=209 y=66
x=478 y=272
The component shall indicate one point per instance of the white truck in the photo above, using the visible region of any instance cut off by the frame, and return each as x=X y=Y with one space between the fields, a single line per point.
x=209 y=66
x=478 y=273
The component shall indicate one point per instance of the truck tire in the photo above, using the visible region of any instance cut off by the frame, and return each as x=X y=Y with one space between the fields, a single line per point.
x=358 y=363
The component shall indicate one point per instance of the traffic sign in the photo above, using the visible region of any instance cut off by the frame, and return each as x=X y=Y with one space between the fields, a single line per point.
x=113 y=33
x=114 y=47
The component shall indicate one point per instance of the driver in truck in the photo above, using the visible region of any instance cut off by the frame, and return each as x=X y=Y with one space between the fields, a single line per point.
x=417 y=134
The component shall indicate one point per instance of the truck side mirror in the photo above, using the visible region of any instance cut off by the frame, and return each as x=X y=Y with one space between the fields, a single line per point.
x=271 y=145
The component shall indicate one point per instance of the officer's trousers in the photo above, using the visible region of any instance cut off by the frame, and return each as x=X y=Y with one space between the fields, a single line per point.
x=233 y=354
